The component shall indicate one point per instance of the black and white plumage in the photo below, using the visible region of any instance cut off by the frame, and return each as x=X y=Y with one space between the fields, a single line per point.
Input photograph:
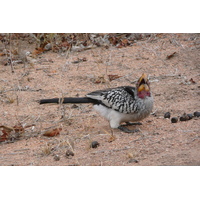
x=117 y=105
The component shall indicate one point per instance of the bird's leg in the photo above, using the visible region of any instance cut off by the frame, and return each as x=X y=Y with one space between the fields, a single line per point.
x=126 y=130
x=132 y=124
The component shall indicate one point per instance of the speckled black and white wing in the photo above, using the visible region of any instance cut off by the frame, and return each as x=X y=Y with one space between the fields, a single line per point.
x=121 y=99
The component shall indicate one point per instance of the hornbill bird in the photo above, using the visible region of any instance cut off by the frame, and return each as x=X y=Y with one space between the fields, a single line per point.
x=121 y=104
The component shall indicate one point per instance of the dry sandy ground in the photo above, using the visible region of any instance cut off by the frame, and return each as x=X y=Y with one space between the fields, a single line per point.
x=175 y=84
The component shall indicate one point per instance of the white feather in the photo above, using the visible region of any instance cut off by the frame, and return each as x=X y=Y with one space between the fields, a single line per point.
x=116 y=117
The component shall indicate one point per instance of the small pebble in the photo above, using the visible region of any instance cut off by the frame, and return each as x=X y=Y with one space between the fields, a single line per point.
x=69 y=153
x=74 y=106
x=174 y=119
x=197 y=114
x=184 y=117
x=56 y=158
x=94 y=144
x=133 y=161
x=48 y=47
x=167 y=115
x=190 y=116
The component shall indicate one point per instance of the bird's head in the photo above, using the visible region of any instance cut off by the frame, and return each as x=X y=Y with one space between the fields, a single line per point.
x=143 y=87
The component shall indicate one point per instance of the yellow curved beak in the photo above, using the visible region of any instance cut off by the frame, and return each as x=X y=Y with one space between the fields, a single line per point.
x=143 y=83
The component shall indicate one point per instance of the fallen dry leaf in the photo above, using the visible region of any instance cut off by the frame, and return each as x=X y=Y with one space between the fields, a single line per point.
x=125 y=42
x=119 y=46
x=99 y=79
x=38 y=51
x=52 y=133
x=113 y=77
x=3 y=137
x=80 y=60
x=15 y=52
x=15 y=130
x=6 y=132
x=2 y=54
x=113 y=40
x=192 y=81
x=171 y=55
x=6 y=128
x=18 y=128
x=111 y=138
x=65 y=44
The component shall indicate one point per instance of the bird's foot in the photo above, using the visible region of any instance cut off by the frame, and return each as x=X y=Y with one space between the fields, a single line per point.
x=132 y=124
x=126 y=130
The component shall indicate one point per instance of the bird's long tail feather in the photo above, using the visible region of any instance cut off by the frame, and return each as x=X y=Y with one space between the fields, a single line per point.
x=68 y=100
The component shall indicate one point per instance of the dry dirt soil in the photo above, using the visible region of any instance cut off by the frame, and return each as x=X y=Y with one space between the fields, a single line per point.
x=172 y=62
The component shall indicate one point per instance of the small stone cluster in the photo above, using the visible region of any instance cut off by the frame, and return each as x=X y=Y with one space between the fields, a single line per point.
x=184 y=117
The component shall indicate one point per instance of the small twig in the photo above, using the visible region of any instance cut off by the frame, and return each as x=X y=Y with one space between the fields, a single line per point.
x=17 y=100
x=195 y=138
x=153 y=113
x=67 y=53
x=22 y=89
x=21 y=150
x=61 y=107
x=11 y=62
x=32 y=35
x=85 y=48
x=10 y=154
x=43 y=68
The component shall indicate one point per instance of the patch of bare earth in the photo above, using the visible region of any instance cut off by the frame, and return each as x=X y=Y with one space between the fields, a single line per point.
x=175 y=84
